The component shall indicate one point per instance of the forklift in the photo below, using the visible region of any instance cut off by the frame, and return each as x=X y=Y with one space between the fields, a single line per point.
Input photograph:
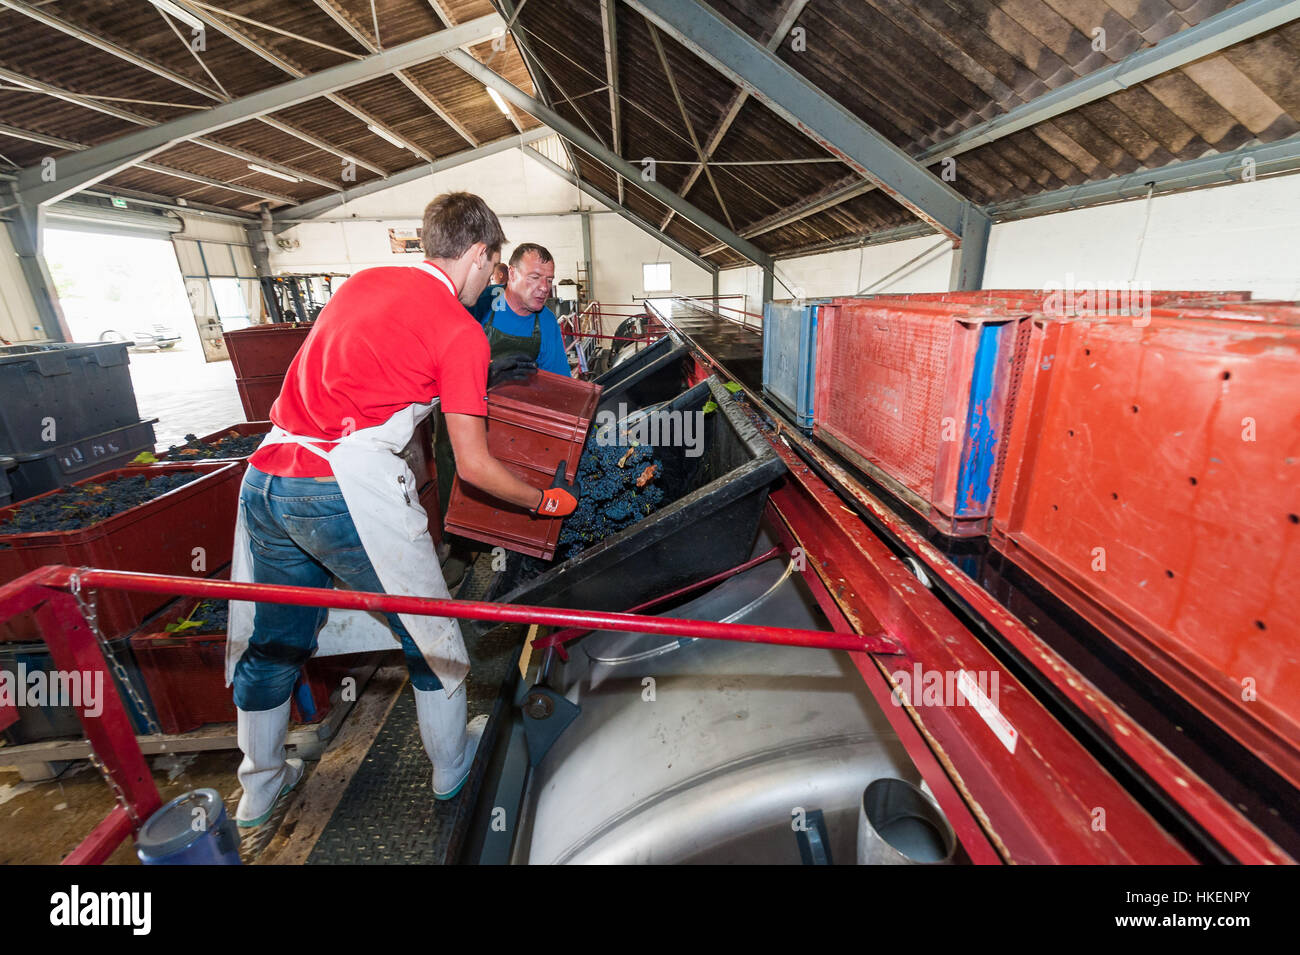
x=298 y=297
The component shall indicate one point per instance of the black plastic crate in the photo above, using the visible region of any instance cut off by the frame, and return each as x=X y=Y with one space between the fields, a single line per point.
x=656 y=373
x=82 y=389
x=59 y=466
x=717 y=501
x=38 y=724
x=6 y=491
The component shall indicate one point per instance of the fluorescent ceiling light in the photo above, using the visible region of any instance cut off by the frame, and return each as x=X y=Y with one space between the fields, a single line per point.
x=266 y=171
x=385 y=134
x=496 y=98
x=189 y=19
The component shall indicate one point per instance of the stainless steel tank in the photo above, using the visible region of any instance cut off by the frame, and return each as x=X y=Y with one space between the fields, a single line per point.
x=710 y=751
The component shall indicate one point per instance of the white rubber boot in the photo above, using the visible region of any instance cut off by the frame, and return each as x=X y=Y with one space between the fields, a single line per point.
x=450 y=743
x=265 y=774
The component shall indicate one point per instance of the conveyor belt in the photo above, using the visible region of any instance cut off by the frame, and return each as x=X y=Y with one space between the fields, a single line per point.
x=736 y=347
x=388 y=815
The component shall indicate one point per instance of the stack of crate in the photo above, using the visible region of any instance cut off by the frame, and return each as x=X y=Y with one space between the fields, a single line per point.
x=260 y=356
x=67 y=411
x=1141 y=461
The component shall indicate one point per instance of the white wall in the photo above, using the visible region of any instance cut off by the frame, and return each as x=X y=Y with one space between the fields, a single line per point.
x=619 y=250
x=913 y=265
x=511 y=183
x=1241 y=236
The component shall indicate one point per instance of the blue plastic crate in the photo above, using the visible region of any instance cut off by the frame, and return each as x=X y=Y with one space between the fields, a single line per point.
x=790 y=357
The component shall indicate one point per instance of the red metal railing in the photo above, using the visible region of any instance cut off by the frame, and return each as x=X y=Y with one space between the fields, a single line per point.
x=589 y=323
x=52 y=593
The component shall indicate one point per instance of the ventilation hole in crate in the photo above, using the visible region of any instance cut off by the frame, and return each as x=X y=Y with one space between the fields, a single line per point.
x=1169 y=574
x=1226 y=375
x=1087 y=351
x=1193 y=480
x=1055 y=508
x=1134 y=409
x=1260 y=625
x=1114 y=496
x=1070 y=432
x=1293 y=518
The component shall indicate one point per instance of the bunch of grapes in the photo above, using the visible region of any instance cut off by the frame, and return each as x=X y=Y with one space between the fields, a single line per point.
x=620 y=486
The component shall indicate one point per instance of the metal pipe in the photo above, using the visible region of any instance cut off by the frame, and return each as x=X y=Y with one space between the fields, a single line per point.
x=89 y=578
x=613 y=338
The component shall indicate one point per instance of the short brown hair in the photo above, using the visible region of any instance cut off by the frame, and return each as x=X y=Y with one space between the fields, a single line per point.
x=456 y=220
x=524 y=248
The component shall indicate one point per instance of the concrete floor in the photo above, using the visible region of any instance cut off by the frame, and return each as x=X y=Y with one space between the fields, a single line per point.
x=185 y=393
x=42 y=822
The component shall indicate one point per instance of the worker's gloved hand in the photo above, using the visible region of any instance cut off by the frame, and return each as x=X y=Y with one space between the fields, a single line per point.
x=560 y=499
x=513 y=367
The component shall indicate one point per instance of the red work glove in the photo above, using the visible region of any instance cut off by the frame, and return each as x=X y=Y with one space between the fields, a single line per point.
x=560 y=499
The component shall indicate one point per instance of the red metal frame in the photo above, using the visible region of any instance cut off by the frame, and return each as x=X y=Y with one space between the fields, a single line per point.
x=878 y=642
x=73 y=647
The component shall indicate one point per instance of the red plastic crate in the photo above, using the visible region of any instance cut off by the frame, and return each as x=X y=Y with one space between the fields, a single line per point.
x=157 y=537
x=239 y=428
x=1025 y=297
x=532 y=426
x=258 y=394
x=917 y=394
x=1153 y=484
x=261 y=351
x=185 y=675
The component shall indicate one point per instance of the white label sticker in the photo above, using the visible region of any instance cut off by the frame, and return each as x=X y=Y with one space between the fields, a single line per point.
x=988 y=711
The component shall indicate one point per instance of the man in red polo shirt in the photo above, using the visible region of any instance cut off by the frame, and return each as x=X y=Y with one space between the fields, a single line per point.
x=328 y=496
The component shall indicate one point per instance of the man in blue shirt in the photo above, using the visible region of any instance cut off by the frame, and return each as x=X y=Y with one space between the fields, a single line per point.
x=515 y=315
x=518 y=323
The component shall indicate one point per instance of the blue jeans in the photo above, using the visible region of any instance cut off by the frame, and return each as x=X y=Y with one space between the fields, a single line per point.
x=301 y=534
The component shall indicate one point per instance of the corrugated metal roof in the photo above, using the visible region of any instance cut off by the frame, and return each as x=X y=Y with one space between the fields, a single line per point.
x=919 y=72
x=293 y=37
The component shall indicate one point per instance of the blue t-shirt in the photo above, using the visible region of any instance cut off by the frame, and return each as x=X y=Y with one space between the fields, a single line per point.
x=509 y=322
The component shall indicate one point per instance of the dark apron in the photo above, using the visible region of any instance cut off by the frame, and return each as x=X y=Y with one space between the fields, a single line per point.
x=501 y=345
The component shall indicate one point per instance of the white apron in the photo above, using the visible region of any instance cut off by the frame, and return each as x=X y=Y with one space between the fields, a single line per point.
x=379 y=489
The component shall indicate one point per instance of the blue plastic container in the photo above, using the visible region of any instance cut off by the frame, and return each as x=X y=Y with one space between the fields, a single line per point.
x=790 y=357
x=192 y=829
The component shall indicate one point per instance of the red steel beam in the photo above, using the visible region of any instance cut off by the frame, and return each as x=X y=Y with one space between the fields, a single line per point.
x=112 y=831
x=90 y=579
x=1219 y=818
x=969 y=830
x=74 y=649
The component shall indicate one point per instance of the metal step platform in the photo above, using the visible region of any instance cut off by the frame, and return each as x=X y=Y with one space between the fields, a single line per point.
x=387 y=815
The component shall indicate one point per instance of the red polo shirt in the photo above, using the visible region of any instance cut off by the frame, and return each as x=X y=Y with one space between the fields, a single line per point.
x=389 y=337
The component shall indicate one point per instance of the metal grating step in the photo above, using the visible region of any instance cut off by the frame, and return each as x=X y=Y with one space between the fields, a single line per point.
x=388 y=815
